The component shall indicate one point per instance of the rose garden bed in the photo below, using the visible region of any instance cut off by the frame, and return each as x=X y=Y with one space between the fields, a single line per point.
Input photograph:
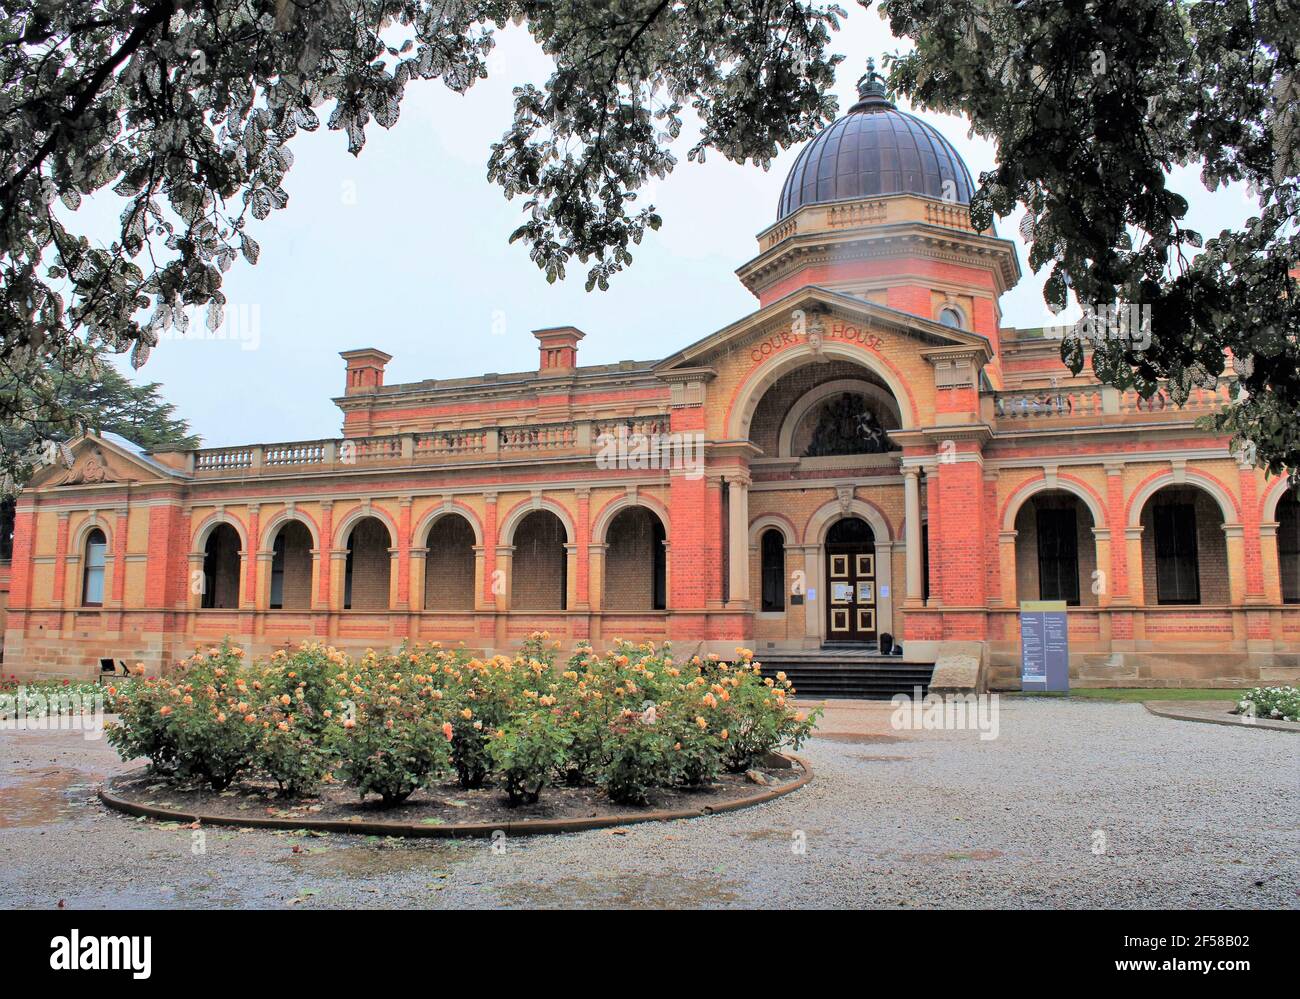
x=446 y=809
x=429 y=741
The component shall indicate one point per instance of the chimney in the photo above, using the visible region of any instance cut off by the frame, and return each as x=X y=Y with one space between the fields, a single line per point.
x=559 y=349
x=365 y=369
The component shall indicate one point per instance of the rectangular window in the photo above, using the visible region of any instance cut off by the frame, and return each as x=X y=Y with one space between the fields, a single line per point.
x=1178 y=578
x=92 y=590
x=1058 y=555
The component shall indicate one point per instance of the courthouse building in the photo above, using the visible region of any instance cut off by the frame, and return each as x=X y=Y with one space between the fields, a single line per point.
x=869 y=454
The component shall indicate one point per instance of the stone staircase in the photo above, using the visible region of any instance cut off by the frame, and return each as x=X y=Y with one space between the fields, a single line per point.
x=841 y=672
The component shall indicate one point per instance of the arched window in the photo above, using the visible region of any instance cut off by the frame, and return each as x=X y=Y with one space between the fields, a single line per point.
x=291 y=567
x=1288 y=547
x=635 y=563
x=221 y=569
x=1056 y=554
x=449 y=565
x=952 y=318
x=540 y=568
x=366 y=576
x=772 y=570
x=1184 y=550
x=92 y=580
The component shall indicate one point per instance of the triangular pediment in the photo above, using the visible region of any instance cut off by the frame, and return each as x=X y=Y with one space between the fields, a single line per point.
x=814 y=300
x=91 y=460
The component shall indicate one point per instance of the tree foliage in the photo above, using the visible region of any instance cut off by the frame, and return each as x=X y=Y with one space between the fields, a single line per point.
x=186 y=111
x=1091 y=105
x=88 y=395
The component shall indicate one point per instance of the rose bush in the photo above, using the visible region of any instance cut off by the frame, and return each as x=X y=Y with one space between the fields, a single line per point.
x=1277 y=703
x=630 y=721
x=200 y=723
x=393 y=735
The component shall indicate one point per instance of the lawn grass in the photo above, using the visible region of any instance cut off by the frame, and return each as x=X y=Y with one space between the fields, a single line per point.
x=1140 y=693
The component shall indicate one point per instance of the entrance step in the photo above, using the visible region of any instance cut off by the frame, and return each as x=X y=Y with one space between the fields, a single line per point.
x=817 y=676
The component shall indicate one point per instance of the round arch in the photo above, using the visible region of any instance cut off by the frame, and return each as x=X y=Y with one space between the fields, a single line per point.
x=820 y=393
x=1138 y=501
x=77 y=545
x=278 y=521
x=357 y=514
x=522 y=510
x=1273 y=496
x=422 y=529
x=751 y=390
x=820 y=522
x=210 y=524
x=771 y=521
x=1063 y=483
x=600 y=527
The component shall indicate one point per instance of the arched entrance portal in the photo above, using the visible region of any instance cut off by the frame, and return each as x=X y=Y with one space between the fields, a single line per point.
x=851 y=583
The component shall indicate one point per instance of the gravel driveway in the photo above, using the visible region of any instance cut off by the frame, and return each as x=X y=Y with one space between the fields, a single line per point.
x=1074 y=804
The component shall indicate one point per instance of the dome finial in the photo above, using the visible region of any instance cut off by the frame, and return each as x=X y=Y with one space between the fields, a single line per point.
x=871 y=88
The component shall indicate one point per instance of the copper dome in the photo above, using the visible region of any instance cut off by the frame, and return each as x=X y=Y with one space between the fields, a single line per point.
x=875 y=150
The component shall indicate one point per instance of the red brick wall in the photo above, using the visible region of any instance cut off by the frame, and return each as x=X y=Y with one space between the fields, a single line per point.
x=449 y=565
x=296 y=593
x=538 y=566
x=371 y=564
x=630 y=560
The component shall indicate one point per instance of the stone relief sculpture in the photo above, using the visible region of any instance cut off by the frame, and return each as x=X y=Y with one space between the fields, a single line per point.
x=847 y=425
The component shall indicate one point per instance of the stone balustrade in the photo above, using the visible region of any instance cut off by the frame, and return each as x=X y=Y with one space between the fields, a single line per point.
x=577 y=437
x=1099 y=403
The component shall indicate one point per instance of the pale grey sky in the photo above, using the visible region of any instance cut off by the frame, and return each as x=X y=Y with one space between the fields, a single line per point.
x=405 y=249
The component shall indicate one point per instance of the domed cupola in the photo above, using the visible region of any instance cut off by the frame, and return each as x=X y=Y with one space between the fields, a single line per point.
x=873 y=151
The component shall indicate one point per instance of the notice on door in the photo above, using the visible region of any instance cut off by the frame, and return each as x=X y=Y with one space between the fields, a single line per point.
x=1044 y=645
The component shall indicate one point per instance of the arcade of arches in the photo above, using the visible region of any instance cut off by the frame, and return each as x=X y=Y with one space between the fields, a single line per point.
x=870 y=459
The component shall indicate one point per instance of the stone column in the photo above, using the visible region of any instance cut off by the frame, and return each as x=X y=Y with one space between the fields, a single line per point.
x=912 y=531
x=814 y=582
x=885 y=588
x=416 y=576
x=596 y=575
x=264 y=570
x=1011 y=595
x=738 y=540
x=196 y=581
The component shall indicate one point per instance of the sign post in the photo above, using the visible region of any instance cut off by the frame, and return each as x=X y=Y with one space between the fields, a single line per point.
x=1044 y=645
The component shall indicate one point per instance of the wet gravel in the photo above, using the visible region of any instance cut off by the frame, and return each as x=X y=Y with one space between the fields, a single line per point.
x=1074 y=804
